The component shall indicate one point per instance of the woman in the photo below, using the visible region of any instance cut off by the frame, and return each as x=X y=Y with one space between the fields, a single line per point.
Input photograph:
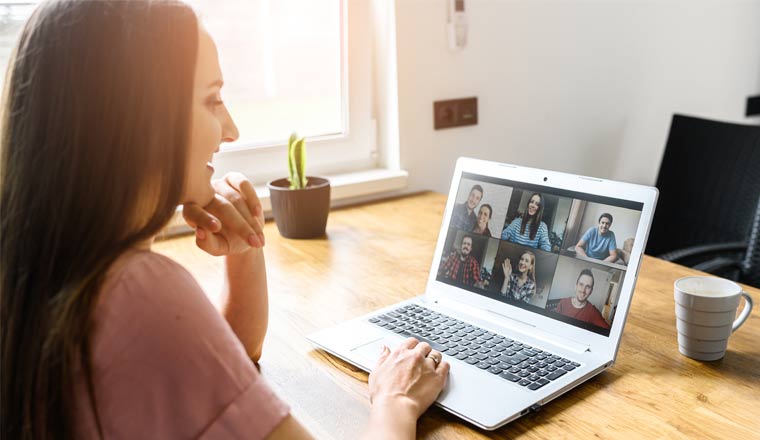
x=528 y=229
x=484 y=216
x=520 y=286
x=111 y=117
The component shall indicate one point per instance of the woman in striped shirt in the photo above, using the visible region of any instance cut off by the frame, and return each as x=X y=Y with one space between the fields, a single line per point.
x=528 y=229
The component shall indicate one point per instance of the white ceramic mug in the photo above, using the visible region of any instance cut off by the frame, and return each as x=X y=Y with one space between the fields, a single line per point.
x=705 y=311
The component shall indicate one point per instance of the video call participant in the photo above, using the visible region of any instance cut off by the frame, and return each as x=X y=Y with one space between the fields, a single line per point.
x=520 y=286
x=464 y=217
x=484 y=216
x=528 y=229
x=460 y=266
x=599 y=242
x=577 y=306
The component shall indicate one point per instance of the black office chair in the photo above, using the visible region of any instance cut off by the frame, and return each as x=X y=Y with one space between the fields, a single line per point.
x=708 y=211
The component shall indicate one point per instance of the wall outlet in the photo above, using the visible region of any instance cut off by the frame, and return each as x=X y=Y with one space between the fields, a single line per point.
x=455 y=113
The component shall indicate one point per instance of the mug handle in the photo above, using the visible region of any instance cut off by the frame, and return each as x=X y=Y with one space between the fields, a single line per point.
x=745 y=312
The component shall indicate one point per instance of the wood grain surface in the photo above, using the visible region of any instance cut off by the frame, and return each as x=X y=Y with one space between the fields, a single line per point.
x=377 y=254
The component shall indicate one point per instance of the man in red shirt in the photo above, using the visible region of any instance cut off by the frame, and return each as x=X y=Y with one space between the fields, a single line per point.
x=577 y=306
x=461 y=266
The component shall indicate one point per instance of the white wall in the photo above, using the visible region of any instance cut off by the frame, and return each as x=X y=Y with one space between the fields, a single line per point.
x=583 y=86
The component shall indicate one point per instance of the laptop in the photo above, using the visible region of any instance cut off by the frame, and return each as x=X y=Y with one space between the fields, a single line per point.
x=521 y=316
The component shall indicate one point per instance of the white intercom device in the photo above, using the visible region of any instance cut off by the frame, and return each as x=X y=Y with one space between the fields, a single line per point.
x=457 y=25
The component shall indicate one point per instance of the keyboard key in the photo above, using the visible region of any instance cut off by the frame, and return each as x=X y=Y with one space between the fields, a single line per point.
x=510 y=377
x=568 y=367
x=556 y=374
x=483 y=365
x=461 y=356
x=535 y=385
x=472 y=360
x=495 y=370
x=525 y=382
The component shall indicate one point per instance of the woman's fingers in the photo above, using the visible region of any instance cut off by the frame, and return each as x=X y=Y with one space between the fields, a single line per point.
x=383 y=355
x=236 y=198
x=197 y=217
x=442 y=372
x=214 y=244
x=248 y=196
x=408 y=343
x=233 y=220
x=423 y=348
x=245 y=187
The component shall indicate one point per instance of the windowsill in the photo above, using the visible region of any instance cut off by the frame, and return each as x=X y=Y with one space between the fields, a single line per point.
x=345 y=189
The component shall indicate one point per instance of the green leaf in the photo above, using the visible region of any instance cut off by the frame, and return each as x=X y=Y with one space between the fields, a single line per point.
x=292 y=177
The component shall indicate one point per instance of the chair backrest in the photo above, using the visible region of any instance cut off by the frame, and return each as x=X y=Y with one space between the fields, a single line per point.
x=750 y=266
x=709 y=183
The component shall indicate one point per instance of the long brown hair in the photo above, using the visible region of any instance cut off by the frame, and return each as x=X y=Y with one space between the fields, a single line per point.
x=95 y=126
x=534 y=220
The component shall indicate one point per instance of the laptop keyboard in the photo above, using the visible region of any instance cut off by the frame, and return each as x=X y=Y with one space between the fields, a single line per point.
x=507 y=358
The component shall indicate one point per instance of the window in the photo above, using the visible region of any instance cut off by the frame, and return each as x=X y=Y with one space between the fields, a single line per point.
x=294 y=65
x=13 y=14
x=289 y=65
x=282 y=65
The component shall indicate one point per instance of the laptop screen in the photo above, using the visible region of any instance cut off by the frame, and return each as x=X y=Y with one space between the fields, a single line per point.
x=561 y=254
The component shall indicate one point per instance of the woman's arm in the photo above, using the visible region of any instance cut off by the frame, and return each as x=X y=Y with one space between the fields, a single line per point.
x=245 y=299
x=232 y=225
x=510 y=231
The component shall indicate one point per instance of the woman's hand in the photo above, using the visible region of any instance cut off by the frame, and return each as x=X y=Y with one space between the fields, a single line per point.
x=507 y=268
x=233 y=222
x=408 y=378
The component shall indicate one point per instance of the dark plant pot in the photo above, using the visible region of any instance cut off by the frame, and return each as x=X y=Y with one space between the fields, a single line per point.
x=300 y=213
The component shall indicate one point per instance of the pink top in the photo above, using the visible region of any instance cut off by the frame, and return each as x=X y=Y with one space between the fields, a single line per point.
x=166 y=364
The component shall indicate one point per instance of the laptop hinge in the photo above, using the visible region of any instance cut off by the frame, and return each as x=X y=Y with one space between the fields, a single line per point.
x=517 y=325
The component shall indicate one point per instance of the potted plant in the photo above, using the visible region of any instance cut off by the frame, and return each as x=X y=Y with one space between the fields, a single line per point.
x=300 y=203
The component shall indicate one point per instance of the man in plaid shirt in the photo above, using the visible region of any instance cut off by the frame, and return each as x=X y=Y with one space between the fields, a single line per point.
x=461 y=266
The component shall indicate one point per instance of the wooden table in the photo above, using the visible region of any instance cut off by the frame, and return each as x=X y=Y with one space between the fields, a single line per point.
x=378 y=254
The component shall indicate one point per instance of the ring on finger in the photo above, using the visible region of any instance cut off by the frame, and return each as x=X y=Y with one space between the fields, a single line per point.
x=436 y=359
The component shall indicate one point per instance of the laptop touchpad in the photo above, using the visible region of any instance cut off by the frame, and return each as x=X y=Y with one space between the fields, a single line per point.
x=369 y=352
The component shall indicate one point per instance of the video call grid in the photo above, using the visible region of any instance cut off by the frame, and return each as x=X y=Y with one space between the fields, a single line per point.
x=537 y=293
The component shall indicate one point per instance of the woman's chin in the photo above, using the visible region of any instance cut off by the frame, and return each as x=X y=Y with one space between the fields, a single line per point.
x=200 y=197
